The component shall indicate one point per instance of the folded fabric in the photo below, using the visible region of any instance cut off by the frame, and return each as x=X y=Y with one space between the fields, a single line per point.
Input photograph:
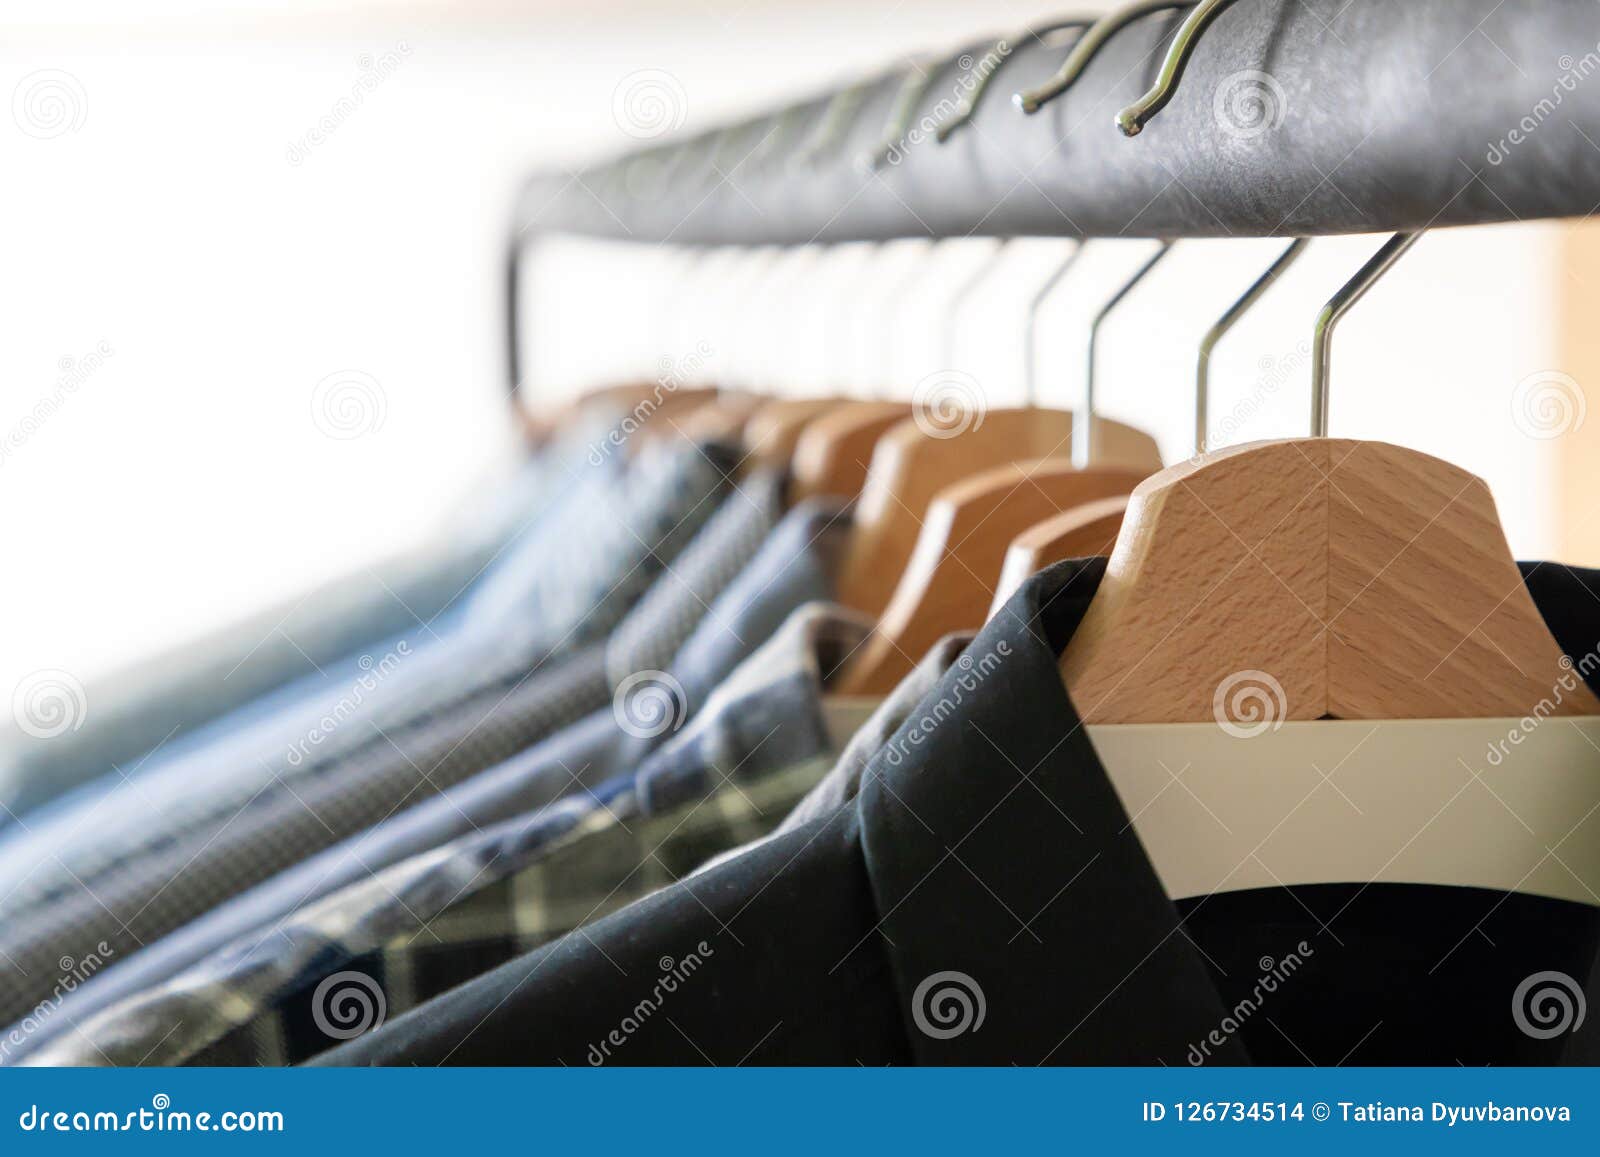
x=843 y=782
x=794 y=564
x=422 y=925
x=123 y=874
x=162 y=700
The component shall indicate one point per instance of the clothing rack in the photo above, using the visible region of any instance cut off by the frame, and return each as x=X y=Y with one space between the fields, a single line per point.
x=1302 y=118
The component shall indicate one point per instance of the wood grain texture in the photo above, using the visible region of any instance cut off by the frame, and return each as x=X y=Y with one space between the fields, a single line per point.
x=832 y=455
x=1086 y=531
x=1364 y=580
x=910 y=465
x=950 y=580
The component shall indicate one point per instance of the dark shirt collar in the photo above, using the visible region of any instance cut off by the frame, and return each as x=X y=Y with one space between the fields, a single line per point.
x=999 y=852
x=998 y=849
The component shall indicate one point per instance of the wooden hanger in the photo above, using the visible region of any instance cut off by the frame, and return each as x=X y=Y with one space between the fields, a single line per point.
x=722 y=419
x=950 y=579
x=1369 y=581
x=918 y=457
x=832 y=454
x=910 y=465
x=1091 y=530
x=773 y=431
x=1364 y=580
x=1085 y=531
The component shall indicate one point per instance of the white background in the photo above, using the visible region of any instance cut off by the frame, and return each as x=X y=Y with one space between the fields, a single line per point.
x=187 y=482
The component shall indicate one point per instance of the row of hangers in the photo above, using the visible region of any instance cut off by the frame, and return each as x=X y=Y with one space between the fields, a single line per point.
x=1364 y=593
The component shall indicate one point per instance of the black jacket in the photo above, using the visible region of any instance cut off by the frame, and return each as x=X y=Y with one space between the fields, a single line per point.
x=985 y=900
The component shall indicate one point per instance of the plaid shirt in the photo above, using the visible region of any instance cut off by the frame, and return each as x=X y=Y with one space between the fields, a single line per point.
x=338 y=967
x=162 y=851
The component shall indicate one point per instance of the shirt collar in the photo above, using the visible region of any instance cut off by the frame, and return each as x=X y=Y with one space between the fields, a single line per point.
x=766 y=716
x=843 y=782
x=1008 y=871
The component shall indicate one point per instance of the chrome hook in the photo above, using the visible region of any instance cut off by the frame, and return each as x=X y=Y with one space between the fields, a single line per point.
x=1202 y=369
x=1088 y=46
x=834 y=124
x=1083 y=427
x=1030 y=380
x=1338 y=305
x=1132 y=119
x=918 y=79
x=1001 y=48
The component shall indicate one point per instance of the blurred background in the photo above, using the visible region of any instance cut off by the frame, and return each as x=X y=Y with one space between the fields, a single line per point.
x=253 y=273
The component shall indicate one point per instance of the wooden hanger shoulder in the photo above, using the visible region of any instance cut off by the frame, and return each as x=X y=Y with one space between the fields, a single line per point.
x=1085 y=531
x=950 y=579
x=914 y=460
x=773 y=431
x=831 y=456
x=638 y=400
x=720 y=418
x=1362 y=580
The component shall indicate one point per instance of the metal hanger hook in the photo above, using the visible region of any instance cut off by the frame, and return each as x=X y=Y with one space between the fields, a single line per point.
x=919 y=78
x=1083 y=425
x=1086 y=49
x=1338 y=305
x=1001 y=48
x=1132 y=119
x=1208 y=344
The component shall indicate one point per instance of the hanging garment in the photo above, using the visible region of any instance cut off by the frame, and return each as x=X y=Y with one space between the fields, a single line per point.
x=162 y=701
x=193 y=840
x=843 y=782
x=793 y=566
x=986 y=900
x=426 y=924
